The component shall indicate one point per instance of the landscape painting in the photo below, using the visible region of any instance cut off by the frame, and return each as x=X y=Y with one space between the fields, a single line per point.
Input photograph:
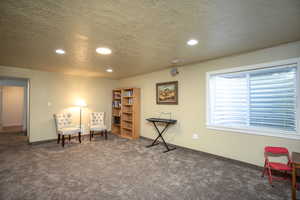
x=167 y=93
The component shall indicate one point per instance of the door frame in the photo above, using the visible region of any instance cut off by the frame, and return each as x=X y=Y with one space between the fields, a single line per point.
x=6 y=82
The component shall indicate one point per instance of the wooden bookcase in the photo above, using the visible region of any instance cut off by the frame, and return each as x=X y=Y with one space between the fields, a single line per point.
x=126 y=112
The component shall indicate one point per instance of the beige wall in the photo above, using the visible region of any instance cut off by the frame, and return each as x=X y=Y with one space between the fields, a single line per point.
x=191 y=111
x=61 y=92
x=12 y=106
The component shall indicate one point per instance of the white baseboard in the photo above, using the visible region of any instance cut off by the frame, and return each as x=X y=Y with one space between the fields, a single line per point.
x=11 y=125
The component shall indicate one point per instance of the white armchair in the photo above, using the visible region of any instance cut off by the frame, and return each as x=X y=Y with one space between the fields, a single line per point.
x=65 y=126
x=97 y=124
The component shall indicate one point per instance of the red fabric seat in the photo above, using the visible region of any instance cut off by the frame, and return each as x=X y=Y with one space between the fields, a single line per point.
x=280 y=166
x=276 y=151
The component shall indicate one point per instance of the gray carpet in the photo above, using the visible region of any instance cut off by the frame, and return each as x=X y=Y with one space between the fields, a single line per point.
x=124 y=169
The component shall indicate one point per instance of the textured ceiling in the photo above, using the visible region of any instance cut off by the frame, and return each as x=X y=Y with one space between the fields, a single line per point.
x=144 y=35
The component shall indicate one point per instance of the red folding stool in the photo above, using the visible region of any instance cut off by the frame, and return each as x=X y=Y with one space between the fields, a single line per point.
x=269 y=166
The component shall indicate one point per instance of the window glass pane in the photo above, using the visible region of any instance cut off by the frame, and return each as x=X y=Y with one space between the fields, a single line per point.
x=230 y=100
x=255 y=99
x=273 y=98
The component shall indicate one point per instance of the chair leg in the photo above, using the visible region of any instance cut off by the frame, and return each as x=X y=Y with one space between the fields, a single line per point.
x=63 y=140
x=58 y=138
x=105 y=132
x=102 y=133
x=69 y=138
x=90 y=135
x=79 y=137
x=270 y=176
x=264 y=170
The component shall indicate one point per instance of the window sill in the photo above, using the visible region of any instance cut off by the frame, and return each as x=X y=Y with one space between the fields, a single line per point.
x=262 y=132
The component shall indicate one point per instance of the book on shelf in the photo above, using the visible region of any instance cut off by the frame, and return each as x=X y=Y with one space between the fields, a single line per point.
x=128 y=93
x=117 y=95
x=116 y=104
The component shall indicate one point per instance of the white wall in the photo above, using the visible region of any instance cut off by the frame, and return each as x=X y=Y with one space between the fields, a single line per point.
x=12 y=106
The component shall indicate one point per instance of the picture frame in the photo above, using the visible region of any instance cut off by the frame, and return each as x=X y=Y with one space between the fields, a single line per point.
x=167 y=93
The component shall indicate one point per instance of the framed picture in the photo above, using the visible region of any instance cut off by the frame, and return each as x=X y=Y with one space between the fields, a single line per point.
x=167 y=93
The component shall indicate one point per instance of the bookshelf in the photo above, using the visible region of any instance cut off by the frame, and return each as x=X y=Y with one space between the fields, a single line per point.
x=126 y=112
x=116 y=111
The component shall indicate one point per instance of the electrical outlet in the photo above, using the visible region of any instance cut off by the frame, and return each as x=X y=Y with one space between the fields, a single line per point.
x=49 y=104
x=195 y=136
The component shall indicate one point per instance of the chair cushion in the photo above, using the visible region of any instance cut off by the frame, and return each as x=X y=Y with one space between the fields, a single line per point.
x=69 y=130
x=276 y=150
x=98 y=128
x=280 y=166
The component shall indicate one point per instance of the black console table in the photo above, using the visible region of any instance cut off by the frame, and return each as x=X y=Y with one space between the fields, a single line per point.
x=167 y=122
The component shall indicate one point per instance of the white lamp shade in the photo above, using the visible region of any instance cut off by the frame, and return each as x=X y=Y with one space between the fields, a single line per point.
x=80 y=103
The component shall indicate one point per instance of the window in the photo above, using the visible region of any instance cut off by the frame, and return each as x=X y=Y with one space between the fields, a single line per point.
x=260 y=99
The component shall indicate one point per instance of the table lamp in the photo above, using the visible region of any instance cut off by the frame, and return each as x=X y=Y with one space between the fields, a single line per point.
x=80 y=103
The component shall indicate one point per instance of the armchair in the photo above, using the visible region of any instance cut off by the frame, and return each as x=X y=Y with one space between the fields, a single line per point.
x=97 y=124
x=65 y=126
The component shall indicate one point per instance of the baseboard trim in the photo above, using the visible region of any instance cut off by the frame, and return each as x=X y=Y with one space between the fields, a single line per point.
x=12 y=126
x=41 y=142
x=238 y=162
x=55 y=139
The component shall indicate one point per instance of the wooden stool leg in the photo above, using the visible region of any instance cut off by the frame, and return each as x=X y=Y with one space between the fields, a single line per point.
x=105 y=132
x=69 y=137
x=58 y=138
x=90 y=135
x=63 y=140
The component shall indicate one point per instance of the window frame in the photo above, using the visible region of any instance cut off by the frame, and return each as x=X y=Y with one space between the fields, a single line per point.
x=256 y=131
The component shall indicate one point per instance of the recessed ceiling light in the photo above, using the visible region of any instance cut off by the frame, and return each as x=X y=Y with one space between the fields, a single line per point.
x=60 y=51
x=192 y=42
x=103 y=50
x=109 y=70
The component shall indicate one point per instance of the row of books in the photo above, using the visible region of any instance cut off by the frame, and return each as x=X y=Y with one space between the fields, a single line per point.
x=117 y=95
x=130 y=101
x=116 y=104
x=128 y=93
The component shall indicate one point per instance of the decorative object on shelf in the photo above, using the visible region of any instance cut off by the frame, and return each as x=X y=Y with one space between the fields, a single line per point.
x=126 y=112
x=80 y=103
x=167 y=93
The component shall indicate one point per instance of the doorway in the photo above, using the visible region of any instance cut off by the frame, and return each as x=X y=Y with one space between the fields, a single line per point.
x=14 y=108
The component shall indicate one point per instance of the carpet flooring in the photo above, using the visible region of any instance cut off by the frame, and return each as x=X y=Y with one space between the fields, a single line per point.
x=119 y=169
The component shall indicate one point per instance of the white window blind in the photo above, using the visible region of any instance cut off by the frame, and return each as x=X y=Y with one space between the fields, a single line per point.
x=258 y=99
x=273 y=98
